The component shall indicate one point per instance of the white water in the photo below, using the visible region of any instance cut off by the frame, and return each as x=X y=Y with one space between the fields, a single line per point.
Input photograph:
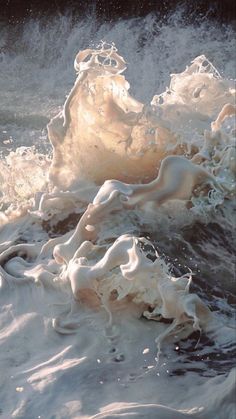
x=73 y=339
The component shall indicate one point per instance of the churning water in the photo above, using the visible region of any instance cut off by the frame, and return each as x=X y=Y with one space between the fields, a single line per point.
x=117 y=285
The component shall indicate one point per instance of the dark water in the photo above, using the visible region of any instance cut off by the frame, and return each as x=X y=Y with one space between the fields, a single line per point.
x=15 y=10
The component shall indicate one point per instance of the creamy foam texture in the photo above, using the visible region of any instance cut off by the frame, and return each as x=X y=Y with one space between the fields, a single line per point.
x=131 y=139
x=116 y=159
x=103 y=132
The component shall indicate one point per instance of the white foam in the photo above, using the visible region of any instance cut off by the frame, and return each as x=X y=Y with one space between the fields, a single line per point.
x=118 y=166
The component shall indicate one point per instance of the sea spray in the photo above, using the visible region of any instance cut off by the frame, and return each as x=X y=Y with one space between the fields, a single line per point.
x=56 y=241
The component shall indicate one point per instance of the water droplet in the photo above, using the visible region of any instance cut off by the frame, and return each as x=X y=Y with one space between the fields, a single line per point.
x=19 y=389
x=119 y=358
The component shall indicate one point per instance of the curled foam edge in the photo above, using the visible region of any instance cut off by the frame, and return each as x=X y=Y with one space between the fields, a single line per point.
x=133 y=138
x=67 y=257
